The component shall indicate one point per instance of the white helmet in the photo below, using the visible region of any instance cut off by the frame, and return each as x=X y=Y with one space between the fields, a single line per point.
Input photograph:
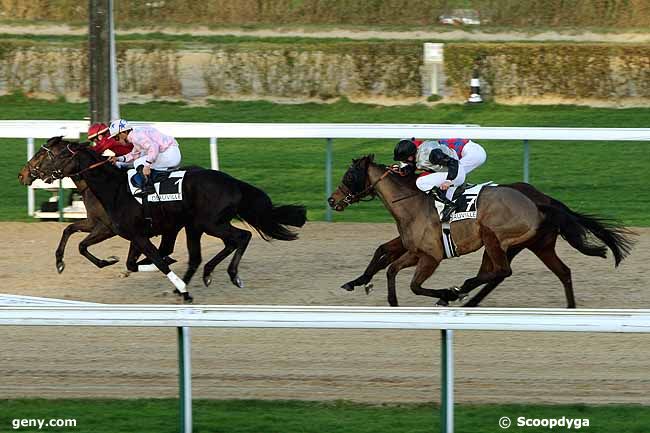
x=117 y=126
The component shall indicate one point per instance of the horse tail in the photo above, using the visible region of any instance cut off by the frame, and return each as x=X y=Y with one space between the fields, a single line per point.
x=257 y=210
x=589 y=234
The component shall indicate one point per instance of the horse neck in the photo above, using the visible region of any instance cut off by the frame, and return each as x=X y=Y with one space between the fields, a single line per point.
x=390 y=189
x=105 y=185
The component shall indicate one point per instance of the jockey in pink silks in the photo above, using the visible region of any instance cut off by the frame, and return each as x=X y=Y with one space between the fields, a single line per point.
x=151 y=148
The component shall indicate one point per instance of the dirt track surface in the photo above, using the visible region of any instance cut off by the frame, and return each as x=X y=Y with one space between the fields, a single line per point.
x=371 y=366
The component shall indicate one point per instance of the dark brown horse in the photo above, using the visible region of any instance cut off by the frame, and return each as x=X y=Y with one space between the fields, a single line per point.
x=97 y=224
x=505 y=232
x=211 y=199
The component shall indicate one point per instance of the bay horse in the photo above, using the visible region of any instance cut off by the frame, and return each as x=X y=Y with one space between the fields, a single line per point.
x=500 y=226
x=211 y=199
x=97 y=224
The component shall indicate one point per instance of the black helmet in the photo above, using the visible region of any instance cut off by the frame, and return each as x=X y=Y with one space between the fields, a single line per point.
x=404 y=149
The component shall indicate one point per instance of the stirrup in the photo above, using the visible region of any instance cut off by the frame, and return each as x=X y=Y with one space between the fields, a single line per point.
x=446 y=212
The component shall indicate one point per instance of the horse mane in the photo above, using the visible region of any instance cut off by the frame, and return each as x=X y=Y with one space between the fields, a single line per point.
x=407 y=181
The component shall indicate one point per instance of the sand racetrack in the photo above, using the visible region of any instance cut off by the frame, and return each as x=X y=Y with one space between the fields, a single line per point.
x=371 y=366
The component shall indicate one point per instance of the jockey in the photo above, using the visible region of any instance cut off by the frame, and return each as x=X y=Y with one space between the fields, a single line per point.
x=103 y=144
x=441 y=165
x=151 y=148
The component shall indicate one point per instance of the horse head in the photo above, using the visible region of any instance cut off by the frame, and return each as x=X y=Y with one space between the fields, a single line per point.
x=33 y=169
x=354 y=185
x=54 y=160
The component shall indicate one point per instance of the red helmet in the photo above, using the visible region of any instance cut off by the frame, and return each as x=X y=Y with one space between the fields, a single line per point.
x=96 y=129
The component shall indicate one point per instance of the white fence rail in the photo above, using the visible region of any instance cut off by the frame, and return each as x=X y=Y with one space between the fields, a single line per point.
x=445 y=319
x=31 y=129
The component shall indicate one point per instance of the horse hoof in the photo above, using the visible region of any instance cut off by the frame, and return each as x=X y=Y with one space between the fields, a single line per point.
x=348 y=286
x=60 y=266
x=187 y=298
x=442 y=303
x=369 y=288
x=237 y=282
x=207 y=280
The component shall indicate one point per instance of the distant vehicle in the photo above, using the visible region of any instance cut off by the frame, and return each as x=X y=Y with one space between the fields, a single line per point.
x=459 y=17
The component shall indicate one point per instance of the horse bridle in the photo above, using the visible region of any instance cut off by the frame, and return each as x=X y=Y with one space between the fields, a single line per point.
x=352 y=197
x=57 y=173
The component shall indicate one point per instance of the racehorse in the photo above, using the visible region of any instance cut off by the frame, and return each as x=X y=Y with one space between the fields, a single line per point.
x=510 y=219
x=97 y=224
x=211 y=199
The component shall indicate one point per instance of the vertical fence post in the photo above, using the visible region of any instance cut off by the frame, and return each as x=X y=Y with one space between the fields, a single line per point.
x=447 y=382
x=328 y=178
x=214 y=154
x=526 y=161
x=185 y=378
x=31 y=196
x=61 y=202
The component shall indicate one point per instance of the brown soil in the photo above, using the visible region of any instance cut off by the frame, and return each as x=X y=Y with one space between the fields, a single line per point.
x=372 y=366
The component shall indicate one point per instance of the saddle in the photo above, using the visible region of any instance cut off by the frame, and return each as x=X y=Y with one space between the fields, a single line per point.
x=146 y=184
x=462 y=205
x=448 y=206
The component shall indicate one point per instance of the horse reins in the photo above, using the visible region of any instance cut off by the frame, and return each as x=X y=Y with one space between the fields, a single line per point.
x=353 y=198
x=58 y=172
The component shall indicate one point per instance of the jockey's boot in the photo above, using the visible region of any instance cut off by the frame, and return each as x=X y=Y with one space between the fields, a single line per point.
x=447 y=211
x=147 y=186
x=449 y=208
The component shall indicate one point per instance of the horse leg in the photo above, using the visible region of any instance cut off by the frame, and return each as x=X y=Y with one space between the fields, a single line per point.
x=86 y=225
x=486 y=266
x=546 y=253
x=233 y=268
x=144 y=244
x=132 y=258
x=424 y=269
x=406 y=260
x=384 y=255
x=166 y=247
x=500 y=260
x=193 y=238
x=99 y=234
x=232 y=237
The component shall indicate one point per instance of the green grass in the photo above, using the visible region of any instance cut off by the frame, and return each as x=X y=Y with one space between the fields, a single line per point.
x=603 y=178
x=255 y=416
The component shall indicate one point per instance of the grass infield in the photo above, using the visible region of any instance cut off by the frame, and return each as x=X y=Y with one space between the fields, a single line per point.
x=603 y=178
x=256 y=416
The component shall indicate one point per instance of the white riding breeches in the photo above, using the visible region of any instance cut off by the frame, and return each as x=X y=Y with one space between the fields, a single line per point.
x=472 y=157
x=428 y=181
x=170 y=158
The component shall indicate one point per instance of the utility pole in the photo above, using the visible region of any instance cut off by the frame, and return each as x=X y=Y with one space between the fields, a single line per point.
x=102 y=67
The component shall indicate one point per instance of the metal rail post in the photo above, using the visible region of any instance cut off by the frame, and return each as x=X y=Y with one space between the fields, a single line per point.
x=60 y=202
x=31 y=195
x=214 y=154
x=185 y=378
x=328 y=178
x=526 y=161
x=447 y=381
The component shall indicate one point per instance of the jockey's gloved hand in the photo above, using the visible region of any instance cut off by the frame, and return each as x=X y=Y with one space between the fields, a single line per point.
x=407 y=168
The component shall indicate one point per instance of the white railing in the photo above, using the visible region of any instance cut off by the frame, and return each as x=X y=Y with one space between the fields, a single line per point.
x=31 y=129
x=234 y=316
